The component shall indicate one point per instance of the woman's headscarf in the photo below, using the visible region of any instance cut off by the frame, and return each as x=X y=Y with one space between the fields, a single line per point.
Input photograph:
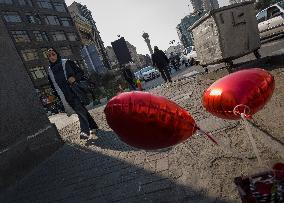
x=58 y=57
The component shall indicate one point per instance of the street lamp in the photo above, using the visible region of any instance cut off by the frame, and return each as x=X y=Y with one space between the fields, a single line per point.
x=147 y=40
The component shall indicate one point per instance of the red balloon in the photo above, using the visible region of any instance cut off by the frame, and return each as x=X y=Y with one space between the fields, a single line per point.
x=245 y=91
x=146 y=121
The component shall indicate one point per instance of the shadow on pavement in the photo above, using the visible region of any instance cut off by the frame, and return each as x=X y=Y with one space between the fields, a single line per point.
x=108 y=140
x=268 y=63
x=76 y=174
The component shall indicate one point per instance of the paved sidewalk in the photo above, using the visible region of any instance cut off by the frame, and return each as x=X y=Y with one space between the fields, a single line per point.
x=103 y=169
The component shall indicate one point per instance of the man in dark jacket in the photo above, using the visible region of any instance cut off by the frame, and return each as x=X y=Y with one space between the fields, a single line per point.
x=161 y=61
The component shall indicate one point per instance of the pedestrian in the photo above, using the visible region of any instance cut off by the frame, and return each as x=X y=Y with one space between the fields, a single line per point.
x=177 y=61
x=64 y=73
x=161 y=61
x=129 y=77
x=139 y=85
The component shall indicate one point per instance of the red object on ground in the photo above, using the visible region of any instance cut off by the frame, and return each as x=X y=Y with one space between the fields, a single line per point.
x=279 y=170
x=245 y=91
x=146 y=121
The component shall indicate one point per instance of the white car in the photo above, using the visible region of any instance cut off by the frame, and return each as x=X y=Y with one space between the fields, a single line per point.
x=190 y=54
x=271 y=20
x=148 y=73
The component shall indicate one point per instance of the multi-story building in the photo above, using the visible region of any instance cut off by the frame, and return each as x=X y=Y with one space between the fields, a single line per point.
x=92 y=57
x=200 y=6
x=175 y=49
x=82 y=16
x=210 y=5
x=111 y=56
x=182 y=28
x=36 y=25
x=145 y=60
x=134 y=56
x=197 y=5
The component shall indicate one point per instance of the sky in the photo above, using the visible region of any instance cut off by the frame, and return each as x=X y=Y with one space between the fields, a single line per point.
x=130 y=18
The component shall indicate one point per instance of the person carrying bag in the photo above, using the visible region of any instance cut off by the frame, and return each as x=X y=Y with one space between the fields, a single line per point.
x=67 y=81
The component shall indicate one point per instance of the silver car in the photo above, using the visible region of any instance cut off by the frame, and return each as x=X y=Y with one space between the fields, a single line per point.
x=271 y=21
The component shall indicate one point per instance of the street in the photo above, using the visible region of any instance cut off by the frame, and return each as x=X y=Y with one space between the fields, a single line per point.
x=267 y=49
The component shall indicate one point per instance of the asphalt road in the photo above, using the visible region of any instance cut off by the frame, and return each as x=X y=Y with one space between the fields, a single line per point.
x=271 y=48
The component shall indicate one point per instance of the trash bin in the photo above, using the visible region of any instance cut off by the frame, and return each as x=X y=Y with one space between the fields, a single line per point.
x=225 y=34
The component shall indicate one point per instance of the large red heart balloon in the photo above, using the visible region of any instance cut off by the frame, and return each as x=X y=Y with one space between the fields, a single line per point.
x=146 y=121
x=245 y=91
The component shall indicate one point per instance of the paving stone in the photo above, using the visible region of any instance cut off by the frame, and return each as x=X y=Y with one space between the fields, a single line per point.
x=104 y=169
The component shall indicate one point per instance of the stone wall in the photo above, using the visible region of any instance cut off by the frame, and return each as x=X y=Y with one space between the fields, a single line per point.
x=26 y=135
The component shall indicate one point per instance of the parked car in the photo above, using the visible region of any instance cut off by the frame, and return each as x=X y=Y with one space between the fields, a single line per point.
x=190 y=55
x=271 y=21
x=147 y=73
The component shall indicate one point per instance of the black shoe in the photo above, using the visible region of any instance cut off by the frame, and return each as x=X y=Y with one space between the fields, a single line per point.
x=84 y=136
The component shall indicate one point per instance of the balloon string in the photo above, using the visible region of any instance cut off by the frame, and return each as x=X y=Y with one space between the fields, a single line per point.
x=252 y=140
x=210 y=136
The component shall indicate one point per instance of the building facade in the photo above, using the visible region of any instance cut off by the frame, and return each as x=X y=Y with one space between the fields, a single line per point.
x=176 y=49
x=182 y=28
x=83 y=19
x=36 y=25
x=145 y=60
x=92 y=59
x=112 y=57
x=197 y=5
x=210 y=5
x=135 y=57
x=200 y=6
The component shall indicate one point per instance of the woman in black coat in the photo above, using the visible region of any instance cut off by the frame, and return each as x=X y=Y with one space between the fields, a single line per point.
x=62 y=75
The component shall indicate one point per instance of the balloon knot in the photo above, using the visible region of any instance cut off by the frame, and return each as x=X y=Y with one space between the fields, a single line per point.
x=243 y=111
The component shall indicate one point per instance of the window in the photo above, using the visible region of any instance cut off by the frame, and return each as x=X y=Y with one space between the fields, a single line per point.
x=40 y=36
x=29 y=54
x=44 y=4
x=51 y=20
x=261 y=16
x=6 y=2
x=12 y=17
x=58 y=36
x=72 y=36
x=35 y=19
x=66 y=22
x=273 y=12
x=38 y=72
x=65 y=51
x=59 y=7
x=20 y=36
x=25 y=2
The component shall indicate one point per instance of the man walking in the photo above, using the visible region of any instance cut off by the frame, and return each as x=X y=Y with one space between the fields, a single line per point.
x=161 y=61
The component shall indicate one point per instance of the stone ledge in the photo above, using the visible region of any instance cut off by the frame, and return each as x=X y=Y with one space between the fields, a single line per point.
x=21 y=157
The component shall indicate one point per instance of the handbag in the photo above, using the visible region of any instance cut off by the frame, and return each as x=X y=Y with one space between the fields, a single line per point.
x=80 y=88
